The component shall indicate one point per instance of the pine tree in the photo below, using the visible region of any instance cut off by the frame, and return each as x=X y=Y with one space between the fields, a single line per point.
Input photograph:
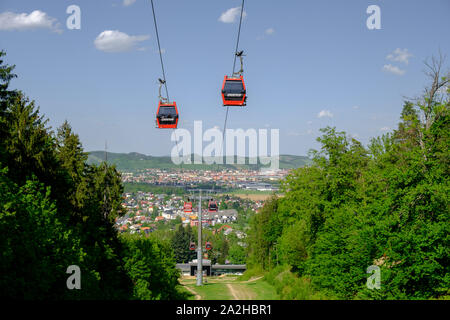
x=179 y=244
x=72 y=157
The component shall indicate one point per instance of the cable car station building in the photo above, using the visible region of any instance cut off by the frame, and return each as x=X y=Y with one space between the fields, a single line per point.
x=211 y=270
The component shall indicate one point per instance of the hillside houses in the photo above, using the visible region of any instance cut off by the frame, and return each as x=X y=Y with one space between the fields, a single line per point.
x=147 y=208
x=228 y=178
x=144 y=210
x=213 y=218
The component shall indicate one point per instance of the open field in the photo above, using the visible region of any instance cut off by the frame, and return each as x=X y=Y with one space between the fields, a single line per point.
x=255 y=195
x=229 y=288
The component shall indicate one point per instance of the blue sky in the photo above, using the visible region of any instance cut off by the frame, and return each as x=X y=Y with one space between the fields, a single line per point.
x=309 y=64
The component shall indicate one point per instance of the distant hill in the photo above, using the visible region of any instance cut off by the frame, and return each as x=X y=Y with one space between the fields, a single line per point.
x=136 y=161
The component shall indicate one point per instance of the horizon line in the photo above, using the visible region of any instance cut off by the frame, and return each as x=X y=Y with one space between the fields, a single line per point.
x=161 y=156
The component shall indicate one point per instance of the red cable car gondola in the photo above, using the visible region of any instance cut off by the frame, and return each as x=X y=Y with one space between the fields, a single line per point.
x=188 y=207
x=192 y=246
x=208 y=246
x=167 y=115
x=212 y=206
x=234 y=92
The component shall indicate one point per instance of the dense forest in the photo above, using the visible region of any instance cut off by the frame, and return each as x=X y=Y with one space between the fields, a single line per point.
x=384 y=205
x=57 y=211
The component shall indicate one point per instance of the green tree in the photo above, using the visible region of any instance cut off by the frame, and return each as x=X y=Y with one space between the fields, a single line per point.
x=180 y=245
x=293 y=245
x=72 y=158
x=236 y=254
x=263 y=234
x=6 y=96
x=29 y=217
x=223 y=249
x=150 y=264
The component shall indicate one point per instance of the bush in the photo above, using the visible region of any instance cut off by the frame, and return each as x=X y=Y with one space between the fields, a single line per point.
x=150 y=264
x=291 y=287
x=250 y=273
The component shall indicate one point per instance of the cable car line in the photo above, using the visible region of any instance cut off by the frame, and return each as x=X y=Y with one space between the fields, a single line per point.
x=167 y=113
x=234 y=67
x=239 y=35
x=233 y=90
x=160 y=53
x=170 y=113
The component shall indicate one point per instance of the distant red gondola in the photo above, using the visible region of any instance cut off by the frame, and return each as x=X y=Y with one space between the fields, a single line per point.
x=188 y=207
x=192 y=246
x=212 y=206
x=208 y=246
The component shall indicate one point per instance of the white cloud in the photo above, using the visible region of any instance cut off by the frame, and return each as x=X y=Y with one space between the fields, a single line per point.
x=270 y=31
x=37 y=19
x=232 y=15
x=116 y=41
x=385 y=129
x=127 y=3
x=400 y=55
x=325 y=114
x=356 y=107
x=393 y=69
x=309 y=123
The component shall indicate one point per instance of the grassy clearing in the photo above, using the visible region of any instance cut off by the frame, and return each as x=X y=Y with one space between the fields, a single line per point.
x=254 y=196
x=212 y=291
x=229 y=288
x=263 y=290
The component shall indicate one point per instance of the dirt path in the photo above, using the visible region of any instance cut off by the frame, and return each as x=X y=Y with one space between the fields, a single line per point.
x=233 y=292
x=239 y=292
x=197 y=296
x=252 y=279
